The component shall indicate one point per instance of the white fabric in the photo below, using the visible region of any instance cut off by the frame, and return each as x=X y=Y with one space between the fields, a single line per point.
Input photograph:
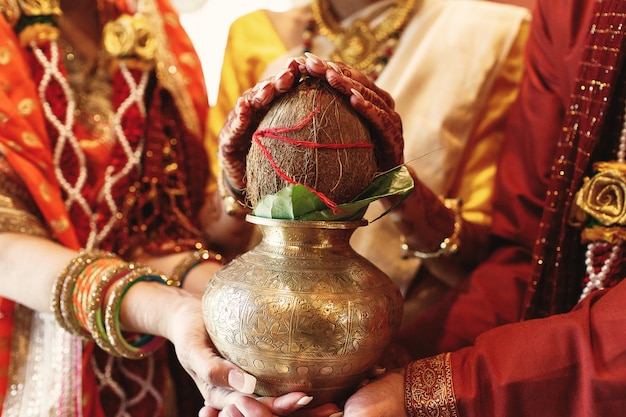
x=46 y=380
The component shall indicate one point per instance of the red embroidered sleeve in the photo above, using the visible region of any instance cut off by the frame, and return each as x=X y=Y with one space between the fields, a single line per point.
x=428 y=388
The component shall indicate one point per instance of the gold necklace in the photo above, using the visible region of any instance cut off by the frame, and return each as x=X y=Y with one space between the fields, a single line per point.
x=359 y=45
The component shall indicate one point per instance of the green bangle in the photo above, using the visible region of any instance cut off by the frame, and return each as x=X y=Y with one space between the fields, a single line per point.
x=140 y=345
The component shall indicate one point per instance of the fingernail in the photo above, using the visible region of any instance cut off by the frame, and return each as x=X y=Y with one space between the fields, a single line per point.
x=314 y=57
x=300 y=60
x=335 y=67
x=339 y=414
x=282 y=74
x=263 y=85
x=241 y=382
x=378 y=370
x=356 y=93
x=304 y=400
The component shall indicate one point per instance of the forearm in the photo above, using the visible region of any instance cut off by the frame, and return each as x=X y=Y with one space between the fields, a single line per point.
x=30 y=265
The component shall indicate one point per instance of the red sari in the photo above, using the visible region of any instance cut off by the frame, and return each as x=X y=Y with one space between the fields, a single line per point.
x=177 y=108
x=521 y=343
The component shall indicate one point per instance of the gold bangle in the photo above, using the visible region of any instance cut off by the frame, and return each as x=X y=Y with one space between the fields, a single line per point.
x=232 y=204
x=95 y=317
x=448 y=246
x=180 y=271
x=61 y=300
x=144 y=344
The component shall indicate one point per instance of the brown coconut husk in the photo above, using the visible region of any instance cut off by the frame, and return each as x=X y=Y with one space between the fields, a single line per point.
x=340 y=174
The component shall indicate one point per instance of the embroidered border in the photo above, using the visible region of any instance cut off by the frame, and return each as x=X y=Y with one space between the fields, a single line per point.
x=428 y=388
x=18 y=212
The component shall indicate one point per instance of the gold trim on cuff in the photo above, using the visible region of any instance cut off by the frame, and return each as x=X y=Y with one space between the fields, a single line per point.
x=428 y=388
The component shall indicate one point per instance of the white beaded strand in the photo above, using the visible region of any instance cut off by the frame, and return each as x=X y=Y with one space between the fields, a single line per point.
x=66 y=136
x=596 y=279
x=135 y=96
x=65 y=129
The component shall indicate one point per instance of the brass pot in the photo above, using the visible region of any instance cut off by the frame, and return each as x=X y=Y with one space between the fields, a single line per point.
x=302 y=311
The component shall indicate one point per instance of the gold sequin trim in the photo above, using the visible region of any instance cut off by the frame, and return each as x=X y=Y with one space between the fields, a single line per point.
x=428 y=388
x=18 y=213
x=25 y=107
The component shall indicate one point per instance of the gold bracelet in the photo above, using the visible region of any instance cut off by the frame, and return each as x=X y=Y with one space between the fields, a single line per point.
x=141 y=345
x=233 y=205
x=448 y=246
x=95 y=317
x=180 y=271
x=61 y=300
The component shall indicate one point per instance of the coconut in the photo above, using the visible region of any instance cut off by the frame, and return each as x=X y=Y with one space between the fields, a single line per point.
x=341 y=166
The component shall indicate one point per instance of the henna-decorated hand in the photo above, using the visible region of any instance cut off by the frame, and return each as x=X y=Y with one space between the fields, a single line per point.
x=236 y=134
x=373 y=103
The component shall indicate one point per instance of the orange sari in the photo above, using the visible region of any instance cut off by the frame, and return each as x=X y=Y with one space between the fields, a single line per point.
x=177 y=96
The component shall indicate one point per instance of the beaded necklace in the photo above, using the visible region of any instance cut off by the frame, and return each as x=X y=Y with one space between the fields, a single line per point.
x=597 y=277
x=359 y=45
x=94 y=205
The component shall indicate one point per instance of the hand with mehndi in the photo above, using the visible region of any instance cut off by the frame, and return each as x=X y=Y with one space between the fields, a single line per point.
x=374 y=104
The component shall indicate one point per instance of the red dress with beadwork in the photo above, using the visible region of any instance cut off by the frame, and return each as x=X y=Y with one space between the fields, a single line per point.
x=141 y=190
x=522 y=343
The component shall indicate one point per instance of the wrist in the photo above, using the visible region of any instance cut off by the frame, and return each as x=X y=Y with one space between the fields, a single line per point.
x=449 y=245
x=233 y=198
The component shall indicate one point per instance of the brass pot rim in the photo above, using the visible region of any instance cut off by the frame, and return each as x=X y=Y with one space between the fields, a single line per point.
x=309 y=224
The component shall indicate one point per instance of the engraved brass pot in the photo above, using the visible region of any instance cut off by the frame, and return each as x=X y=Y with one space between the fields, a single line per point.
x=302 y=311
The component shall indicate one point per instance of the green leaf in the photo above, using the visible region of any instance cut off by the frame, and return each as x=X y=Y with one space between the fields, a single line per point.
x=296 y=202
x=288 y=203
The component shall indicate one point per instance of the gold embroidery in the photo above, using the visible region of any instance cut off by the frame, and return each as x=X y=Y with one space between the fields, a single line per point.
x=30 y=140
x=5 y=56
x=44 y=191
x=428 y=388
x=16 y=146
x=18 y=213
x=60 y=226
x=11 y=11
x=26 y=106
x=40 y=7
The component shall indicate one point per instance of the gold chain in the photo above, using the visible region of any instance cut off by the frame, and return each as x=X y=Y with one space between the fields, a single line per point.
x=359 y=45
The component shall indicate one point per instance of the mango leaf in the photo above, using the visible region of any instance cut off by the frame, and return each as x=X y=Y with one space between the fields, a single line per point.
x=296 y=202
x=397 y=181
x=288 y=203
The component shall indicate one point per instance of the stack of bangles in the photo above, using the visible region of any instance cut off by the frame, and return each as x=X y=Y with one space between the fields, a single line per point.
x=88 y=293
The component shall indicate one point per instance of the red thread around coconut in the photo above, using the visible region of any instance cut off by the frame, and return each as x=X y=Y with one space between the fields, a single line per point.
x=274 y=133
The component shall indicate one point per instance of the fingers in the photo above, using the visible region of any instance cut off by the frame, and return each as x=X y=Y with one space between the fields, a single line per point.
x=286 y=404
x=387 y=131
x=371 y=102
x=325 y=410
x=236 y=134
x=219 y=372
